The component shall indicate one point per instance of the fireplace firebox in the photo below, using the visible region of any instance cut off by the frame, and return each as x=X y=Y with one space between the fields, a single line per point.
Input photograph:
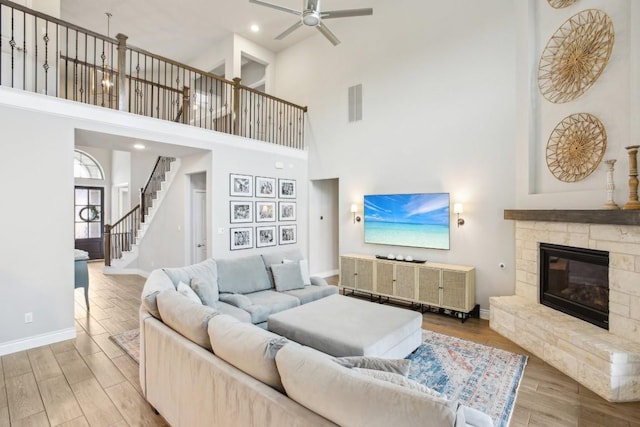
x=576 y=282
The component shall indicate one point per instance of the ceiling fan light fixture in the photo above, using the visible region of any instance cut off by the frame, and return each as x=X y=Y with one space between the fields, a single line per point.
x=310 y=18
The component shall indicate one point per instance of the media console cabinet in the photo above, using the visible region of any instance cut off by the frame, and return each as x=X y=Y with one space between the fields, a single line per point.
x=444 y=288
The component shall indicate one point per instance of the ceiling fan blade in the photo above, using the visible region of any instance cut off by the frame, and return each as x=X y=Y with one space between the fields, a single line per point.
x=328 y=34
x=289 y=30
x=346 y=13
x=277 y=7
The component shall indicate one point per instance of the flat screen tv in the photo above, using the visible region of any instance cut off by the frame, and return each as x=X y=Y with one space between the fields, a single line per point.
x=416 y=220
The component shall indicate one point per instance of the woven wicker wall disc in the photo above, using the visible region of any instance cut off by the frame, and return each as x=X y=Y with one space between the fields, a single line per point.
x=575 y=56
x=575 y=147
x=559 y=4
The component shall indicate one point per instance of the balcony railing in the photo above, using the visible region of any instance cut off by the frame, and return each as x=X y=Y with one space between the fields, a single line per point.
x=43 y=54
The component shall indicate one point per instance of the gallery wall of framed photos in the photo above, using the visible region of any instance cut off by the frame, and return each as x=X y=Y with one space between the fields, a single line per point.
x=262 y=211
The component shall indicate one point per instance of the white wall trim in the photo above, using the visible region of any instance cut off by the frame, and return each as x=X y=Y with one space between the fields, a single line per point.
x=37 y=341
x=111 y=271
x=484 y=314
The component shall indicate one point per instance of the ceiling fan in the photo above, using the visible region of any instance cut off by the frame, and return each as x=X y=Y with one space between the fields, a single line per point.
x=312 y=16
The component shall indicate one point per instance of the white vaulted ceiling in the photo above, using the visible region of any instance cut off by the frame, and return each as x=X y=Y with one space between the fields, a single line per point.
x=181 y=30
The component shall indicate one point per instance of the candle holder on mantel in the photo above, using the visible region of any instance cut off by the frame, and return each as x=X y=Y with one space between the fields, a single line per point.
x=633 y=202
x=610 y=186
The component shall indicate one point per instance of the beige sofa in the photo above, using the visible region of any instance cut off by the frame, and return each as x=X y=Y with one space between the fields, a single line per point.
x=202 y=367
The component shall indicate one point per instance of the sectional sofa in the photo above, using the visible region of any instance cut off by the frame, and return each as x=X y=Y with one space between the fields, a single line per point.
x=206 y=359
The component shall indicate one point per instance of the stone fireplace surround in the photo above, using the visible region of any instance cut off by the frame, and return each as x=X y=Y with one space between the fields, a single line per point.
x=607 y=362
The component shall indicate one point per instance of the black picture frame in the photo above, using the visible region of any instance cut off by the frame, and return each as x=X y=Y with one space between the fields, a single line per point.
x=240 y=238
x=265 y=211
x=240 y=185
x=288 y=234
x=287 y=189
x=266 y=236
x=265 y=187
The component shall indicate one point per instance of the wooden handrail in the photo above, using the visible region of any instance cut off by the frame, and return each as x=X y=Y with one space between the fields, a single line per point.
x=121 y=220
x=121 y=236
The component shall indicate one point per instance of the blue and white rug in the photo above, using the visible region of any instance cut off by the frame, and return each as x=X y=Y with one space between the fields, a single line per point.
x=482 y=377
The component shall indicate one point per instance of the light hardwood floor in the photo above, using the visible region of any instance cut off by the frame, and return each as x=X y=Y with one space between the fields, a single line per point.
x=89 y=381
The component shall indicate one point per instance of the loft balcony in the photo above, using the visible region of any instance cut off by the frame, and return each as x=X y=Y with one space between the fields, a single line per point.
x=43 y=54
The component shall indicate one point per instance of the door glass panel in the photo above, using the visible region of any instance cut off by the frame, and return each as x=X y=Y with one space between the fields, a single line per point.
x=81 y=196
x=82 y=230
x=94 y=230
x=94 y=197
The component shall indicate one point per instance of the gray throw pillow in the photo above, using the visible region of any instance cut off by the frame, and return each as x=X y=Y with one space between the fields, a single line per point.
x=205 y=290
x=237 y=300
x=396 y=366
x=287 y=277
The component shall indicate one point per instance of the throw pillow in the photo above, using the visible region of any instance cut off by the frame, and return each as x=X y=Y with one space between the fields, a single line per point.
x=205 y=291
x=151 y=304
x=396 y=366
x=390 y=377
x=237 y=300
x=287 y=277
x=186 y=290
x=304 y=269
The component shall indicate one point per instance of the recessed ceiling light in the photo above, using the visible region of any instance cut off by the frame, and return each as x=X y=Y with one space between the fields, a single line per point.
x=139 y=146
x=255 y=28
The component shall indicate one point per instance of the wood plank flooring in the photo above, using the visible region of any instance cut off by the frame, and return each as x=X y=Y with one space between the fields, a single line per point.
x=89 y=381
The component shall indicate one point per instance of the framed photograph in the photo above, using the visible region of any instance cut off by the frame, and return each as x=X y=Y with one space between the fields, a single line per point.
x=265 y=187
x=287 y=188
x=241 y=212
x=240 y=185
x=265 y=236
x=287 y=211
x=241 y=238
x=288 y=234
x=265 y=211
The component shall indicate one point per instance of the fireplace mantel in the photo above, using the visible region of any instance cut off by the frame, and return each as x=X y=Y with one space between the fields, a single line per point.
x=611 y=217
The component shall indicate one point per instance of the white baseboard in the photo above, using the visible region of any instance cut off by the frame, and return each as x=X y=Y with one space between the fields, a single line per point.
x=325 y=274
x=110 y=271
x=484 y=314
x=37 y=341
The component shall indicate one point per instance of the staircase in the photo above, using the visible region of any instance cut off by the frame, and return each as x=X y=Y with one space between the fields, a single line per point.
x=123 y=238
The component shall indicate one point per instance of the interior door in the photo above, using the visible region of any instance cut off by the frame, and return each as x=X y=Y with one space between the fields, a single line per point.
x=89 y=220
x=199 y=221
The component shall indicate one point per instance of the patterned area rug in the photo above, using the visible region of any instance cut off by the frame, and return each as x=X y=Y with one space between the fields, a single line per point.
x=129 y=341
x=482 y=377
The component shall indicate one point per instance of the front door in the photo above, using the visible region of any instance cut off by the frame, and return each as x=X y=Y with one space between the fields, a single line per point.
x=88 y=220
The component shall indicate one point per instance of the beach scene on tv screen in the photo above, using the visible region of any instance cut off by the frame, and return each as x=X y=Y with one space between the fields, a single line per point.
x=418 y=220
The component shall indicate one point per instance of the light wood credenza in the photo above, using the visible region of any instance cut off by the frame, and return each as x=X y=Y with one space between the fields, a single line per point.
x=445 y=288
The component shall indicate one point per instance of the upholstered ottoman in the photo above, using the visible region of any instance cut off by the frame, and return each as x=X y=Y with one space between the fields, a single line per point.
x=345 y=326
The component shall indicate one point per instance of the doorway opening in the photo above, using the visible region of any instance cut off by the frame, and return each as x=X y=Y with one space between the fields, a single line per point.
x=198 y=217
x=324 y=251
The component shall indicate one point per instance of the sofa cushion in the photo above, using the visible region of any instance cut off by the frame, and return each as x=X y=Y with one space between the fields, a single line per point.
x=157 y=282
x=349 y=398
x=236 y=300
x=207 y=293
x=186 y=290
x=396 y=366
x=242 y=275
x=265 y=303
x=185 y=316
x=248 y=348
x=233 y=311
x=401 y=380
x=206 y=271
x=312 y=293
x=304 y=269
x=287 y=276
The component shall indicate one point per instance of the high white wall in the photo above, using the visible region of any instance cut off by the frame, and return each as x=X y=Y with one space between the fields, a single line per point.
x=38 y=201
x=439 y=108
x=611 y=99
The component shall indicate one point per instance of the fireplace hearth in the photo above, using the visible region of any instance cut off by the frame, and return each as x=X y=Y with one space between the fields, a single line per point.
x=575 y=281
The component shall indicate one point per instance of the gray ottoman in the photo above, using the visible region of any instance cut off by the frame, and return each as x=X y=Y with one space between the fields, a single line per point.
x=344 y=326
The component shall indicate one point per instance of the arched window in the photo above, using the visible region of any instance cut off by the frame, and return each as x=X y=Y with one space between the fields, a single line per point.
x=85 y=166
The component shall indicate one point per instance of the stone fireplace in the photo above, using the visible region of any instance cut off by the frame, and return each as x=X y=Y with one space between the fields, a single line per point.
x=605 y=361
